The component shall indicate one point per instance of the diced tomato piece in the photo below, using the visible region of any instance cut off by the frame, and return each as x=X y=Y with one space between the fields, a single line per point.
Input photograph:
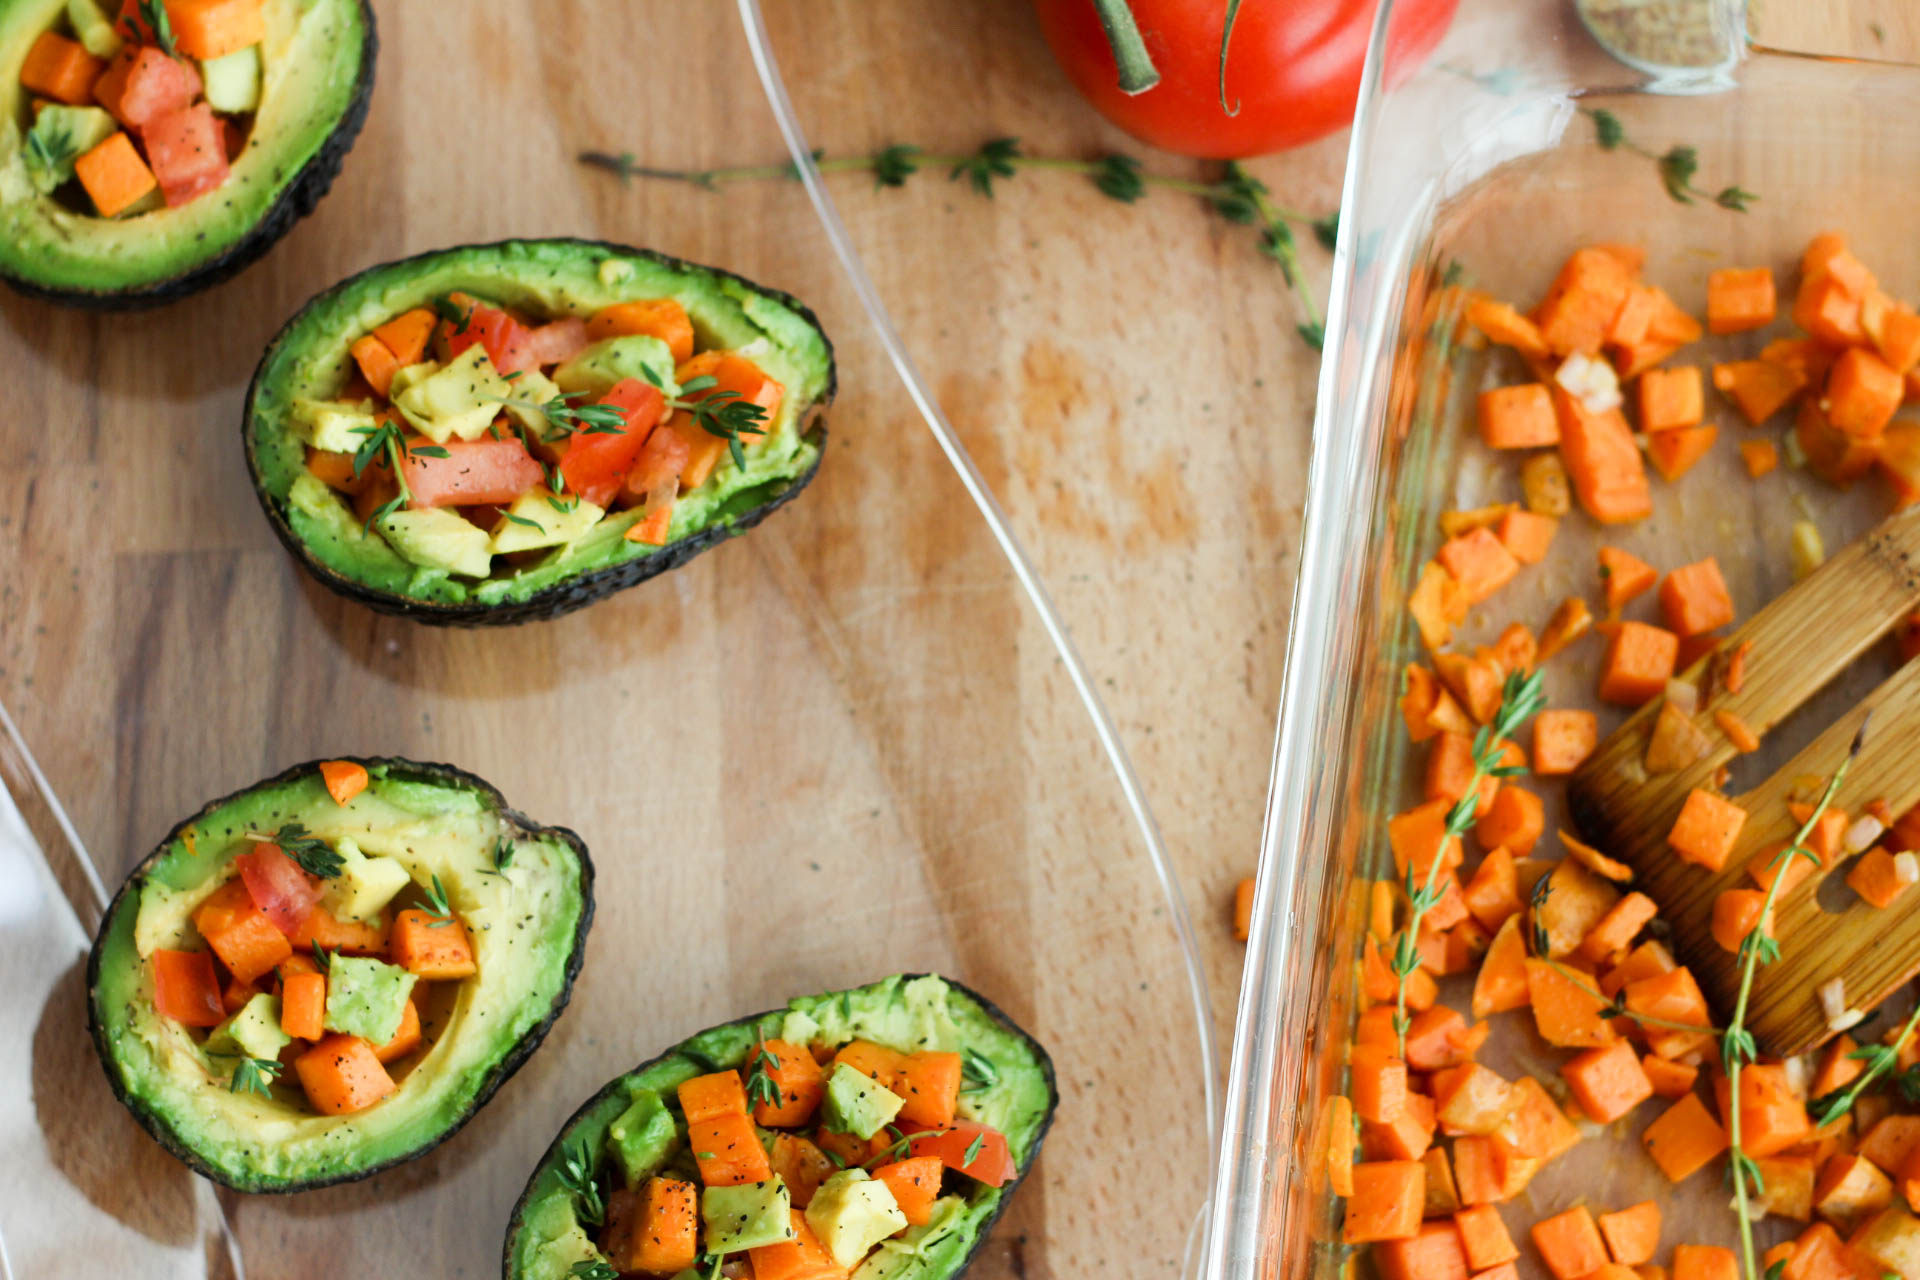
x=185 y=989
x=506 y=339
x=557 y=341
x=142 y=84
x=278 y=886
x=187 y=152
x=661 y=459
x=474 y=471
x=596 y=462
x=992 y=1164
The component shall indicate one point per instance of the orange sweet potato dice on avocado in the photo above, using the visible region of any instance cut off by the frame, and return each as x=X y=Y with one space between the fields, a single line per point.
x=432 y=946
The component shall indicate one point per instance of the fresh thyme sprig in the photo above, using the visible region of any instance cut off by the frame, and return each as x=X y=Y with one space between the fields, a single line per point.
x=385 y=437
x=1737 y=1046
x=575 y=1175
x=566 y=415
x=503 y=849
x=1676 y=166
x=1245 y=200
x=441 y=914
x=726 y=414
x=315 y=856
x=1880 y=1059
x=321 y=958
x=1617 y=1007
x=1520 y=697
x=593 y=1269
x=253 y=1075
x=761 y=1087
x=1235 y=196
x=51 y=149
x=973 y=1148
x=456 y=316
x=897 y=1149
x=154 y=14
x=977 y=1070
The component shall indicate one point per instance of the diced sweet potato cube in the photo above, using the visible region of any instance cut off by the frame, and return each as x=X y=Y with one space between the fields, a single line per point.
x=1740 y=298
x=1705 y=831
x=1639 y=662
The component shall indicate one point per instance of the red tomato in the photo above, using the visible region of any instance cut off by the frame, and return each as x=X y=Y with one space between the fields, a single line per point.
x=505 y=338
x=556 y=341
x=660 y=463
x=278 y=886
x=187 y=152
x=473 y=472
x=185 y=989
x=142 y=84
x=596 y=462
x=1293 y=67
x=992 y=1164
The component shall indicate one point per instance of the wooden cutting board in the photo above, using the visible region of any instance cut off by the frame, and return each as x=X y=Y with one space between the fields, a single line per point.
x=835 y=749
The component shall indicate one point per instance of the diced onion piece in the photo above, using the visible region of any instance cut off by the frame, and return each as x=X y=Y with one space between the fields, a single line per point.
x=1592 y=382
x=1861 y=835
x=1808 y=550
x=1684 y=696
x=1833 y=1003
x=1906 y=868
x=1798 y=1073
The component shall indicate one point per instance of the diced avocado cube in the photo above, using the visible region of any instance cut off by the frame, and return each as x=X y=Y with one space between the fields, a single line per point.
x=643 y=1137
x=857 y=1104
x=364 y=885
x=534 y=520
x=253 y=1031
x=59 y=136
x=411 y=375
x=366 y=997
x=232 y=81
x=534 y=387
x=901 y=1255
x=596 y=369
x=748 y=1216
x=334 y=426
x=458 y=400
x=439 y=539
x=851 y=1213
x=93 y=28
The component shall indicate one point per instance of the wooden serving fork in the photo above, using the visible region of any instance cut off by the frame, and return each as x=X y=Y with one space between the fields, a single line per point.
x=1799 y=642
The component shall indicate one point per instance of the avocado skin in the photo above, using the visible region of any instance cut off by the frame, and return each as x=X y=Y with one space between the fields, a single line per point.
x=299 y=199
x=555 y=1150
x=445 y=774
x=573 y=593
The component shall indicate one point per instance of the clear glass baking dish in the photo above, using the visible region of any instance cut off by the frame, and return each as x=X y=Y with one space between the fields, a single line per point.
x=1485 y=168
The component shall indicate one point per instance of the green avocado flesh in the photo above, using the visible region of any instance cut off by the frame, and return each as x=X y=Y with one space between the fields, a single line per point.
x=622 y=1133
x=526 y=926
x=542 y=280
x=311 y=65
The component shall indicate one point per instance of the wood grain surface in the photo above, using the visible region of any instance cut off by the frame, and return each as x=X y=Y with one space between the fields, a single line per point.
x=837 y=748
x=834 y=749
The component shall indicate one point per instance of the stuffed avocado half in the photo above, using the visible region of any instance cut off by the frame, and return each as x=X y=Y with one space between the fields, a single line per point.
x=331 y=971
x=873 y=1133
x=501 y=432
x=151 y=149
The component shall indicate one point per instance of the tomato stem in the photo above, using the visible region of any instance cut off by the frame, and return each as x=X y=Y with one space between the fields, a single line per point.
x=1130 y=56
